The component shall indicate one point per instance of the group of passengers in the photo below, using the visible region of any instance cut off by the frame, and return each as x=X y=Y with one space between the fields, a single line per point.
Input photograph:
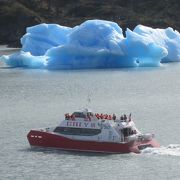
x=98 y=116
x=105 y=116
x=74 y=116
x=68 y=116
x=110 y=117
x=123 y=117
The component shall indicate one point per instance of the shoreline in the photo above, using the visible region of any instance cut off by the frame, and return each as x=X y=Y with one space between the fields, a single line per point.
x=5 y=50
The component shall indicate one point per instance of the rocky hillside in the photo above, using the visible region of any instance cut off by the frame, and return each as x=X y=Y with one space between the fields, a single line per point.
x=16 y=15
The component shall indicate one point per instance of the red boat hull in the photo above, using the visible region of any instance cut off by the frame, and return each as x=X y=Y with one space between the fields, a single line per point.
x=51 y=140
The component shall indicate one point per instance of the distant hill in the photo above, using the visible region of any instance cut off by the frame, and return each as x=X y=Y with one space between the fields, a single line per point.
x=16 y=15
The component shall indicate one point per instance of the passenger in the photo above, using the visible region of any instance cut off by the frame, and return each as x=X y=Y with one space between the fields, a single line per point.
x=101 y=116
x=73 y=117
x=121 y=118
x=129 y=117
x=88 y=116
x=114 y=117
x=97 y=115
x=125 y=117
x=109 y=117
x=66 y=116
x=132 y=132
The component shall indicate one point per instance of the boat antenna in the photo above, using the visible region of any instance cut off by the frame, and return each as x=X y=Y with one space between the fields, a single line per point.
x=88 y=102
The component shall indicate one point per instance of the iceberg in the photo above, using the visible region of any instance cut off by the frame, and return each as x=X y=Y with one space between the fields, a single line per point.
x=95 y=44
x=167 y=38
x=24 y=59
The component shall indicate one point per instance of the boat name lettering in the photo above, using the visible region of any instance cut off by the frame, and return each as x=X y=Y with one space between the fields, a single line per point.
x=86 y=124
x=80 y=124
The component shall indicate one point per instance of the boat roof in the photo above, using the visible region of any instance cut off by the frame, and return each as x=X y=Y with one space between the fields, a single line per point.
x=84 y=110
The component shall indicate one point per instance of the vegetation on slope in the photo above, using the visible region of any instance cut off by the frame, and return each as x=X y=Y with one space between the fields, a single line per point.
x=16 y=15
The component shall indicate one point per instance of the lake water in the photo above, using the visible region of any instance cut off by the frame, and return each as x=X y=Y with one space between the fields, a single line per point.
x=40 y=98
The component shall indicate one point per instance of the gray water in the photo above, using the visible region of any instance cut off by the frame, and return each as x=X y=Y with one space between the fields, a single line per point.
x=40 y=98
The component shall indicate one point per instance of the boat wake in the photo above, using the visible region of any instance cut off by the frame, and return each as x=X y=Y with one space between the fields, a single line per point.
x=170 y=150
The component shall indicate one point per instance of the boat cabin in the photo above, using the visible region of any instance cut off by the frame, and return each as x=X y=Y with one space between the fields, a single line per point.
x=84 y=124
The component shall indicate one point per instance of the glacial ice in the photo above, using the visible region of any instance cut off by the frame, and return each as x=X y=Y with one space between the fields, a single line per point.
x=95 y=44
x=167 y=38
x=24 y=59
x=38 y=39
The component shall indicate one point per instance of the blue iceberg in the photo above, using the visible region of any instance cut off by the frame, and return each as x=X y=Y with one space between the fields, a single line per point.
x=95 y=44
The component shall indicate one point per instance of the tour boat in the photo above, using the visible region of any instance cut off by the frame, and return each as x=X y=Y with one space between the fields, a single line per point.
x=85 y=131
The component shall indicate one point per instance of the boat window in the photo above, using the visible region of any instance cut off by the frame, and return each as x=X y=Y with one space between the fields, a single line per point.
x=79 y=114
x=77 y=131
x=127 y=131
